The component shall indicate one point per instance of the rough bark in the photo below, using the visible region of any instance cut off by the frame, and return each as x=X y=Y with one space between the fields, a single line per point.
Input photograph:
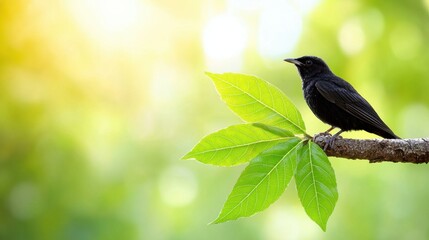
x=377 y=150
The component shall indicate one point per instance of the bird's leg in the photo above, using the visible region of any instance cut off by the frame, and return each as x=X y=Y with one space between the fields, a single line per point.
x=330 y=129
x=331 y=141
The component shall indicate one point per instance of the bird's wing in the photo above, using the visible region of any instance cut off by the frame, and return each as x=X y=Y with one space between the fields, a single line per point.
x=352 y=102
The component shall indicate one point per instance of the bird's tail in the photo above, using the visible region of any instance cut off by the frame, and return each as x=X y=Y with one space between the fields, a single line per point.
x=389 y=135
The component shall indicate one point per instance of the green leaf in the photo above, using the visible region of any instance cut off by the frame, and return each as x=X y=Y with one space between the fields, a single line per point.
x=234 y=145
x=316 y=184
x=274 y=130
x=262 y=182
x=255 y=100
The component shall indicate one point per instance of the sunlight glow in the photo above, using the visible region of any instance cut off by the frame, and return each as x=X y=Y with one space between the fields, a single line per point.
x=281 y=221
x=306 y=6
x=280 y=28
x=426 y=3
x=224 y=37
x=106 y=19
x=244 y=5
x=352 y=37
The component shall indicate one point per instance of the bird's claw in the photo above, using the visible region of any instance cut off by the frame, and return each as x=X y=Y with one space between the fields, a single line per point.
x=330 y=142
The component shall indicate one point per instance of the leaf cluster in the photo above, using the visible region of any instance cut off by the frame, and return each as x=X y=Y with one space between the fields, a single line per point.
x=276 y=147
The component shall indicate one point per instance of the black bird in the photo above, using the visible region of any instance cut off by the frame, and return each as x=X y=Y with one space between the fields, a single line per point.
x=335 y=101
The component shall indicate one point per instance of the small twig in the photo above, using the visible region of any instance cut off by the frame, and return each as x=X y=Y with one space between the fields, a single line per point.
x=377 y=150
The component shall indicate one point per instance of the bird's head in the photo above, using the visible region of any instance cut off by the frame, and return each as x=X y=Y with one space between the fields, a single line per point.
x=309 y=66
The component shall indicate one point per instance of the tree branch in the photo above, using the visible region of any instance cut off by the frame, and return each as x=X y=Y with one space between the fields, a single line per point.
x=377 y=150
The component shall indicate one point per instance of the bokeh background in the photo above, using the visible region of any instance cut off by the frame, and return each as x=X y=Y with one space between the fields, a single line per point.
x=99 y=100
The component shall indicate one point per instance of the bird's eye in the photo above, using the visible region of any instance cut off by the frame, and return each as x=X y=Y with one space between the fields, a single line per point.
x=308 y=62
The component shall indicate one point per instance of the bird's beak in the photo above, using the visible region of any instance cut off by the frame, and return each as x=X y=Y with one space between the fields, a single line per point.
x=293 y=60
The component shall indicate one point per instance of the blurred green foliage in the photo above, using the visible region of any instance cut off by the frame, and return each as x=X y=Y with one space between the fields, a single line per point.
x=100 y=99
